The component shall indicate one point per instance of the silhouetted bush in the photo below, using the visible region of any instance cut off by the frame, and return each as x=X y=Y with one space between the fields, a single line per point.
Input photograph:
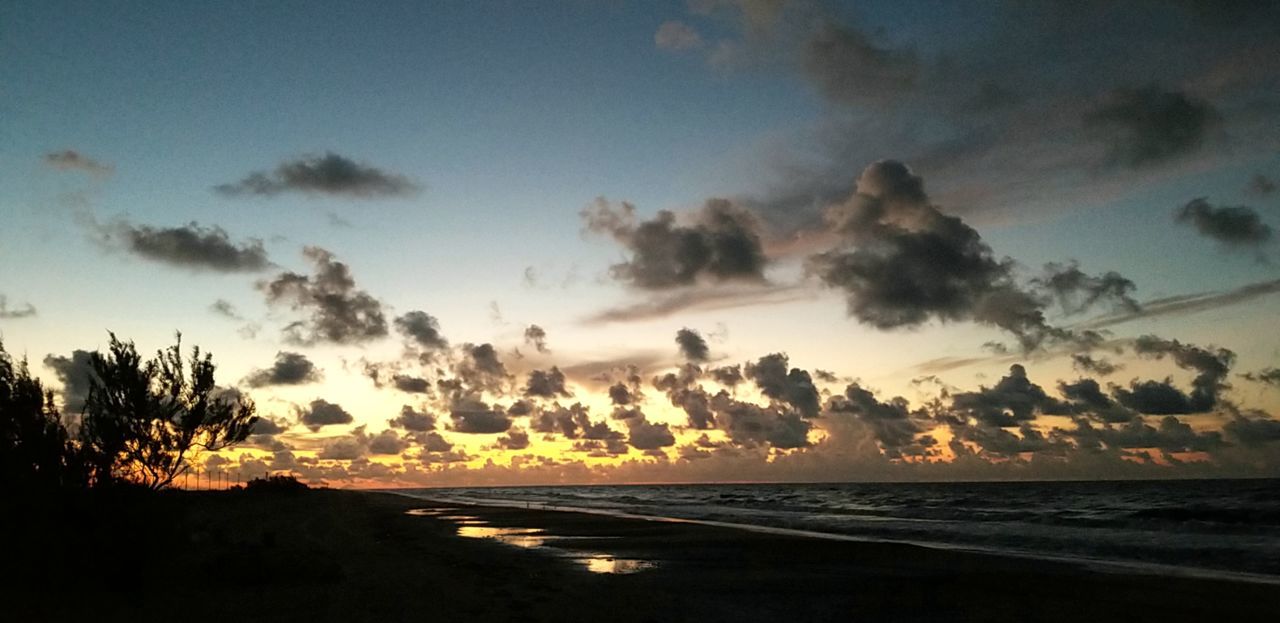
x=36 y=452
x=145 y=420
x=275 y=484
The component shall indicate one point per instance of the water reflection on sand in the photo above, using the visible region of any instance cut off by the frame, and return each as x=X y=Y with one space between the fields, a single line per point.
x=473 y=527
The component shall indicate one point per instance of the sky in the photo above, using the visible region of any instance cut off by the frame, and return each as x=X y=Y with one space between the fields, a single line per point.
x=616 y=242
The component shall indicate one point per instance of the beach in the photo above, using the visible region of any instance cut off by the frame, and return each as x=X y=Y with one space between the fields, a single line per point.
x=327 y=555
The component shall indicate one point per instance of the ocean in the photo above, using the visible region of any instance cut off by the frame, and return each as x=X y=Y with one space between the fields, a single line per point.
x=1201 y=527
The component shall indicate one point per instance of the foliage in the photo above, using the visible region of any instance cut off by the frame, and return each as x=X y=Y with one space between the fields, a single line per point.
x=36 y=452
x=275 y=484
x=145 y=421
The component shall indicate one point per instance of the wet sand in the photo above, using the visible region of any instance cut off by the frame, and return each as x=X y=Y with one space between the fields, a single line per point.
x=347 y=556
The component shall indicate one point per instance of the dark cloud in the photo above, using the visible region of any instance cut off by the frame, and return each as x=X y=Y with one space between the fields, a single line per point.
x=515 y=439
x=411 y=384
x=749 y=424
x=729 y=376
x=536 y=337
x=387 y=442
x=322 y=413
x=903 y=263
x=188 y=246
x=621 y=395
x=791 y=386
x=329 y=174
x=1268 y=376
x=894 y=424
x=692 y=345
x=347 y=448
x=1210 y=365
x=546 y=384
x=68 y=159
x=718 y=243
x=848 y=68
x=339 y=312
x=1148 y=125
x=1254 y=431
x=1261 y=185
x=1233 y=226
x=424 y=331
x=1012 y=401
x=1172 y=435
x=75 y=373
x=433 y=442
x=26 y=311
x=1155 y=398
x=1087 y=363
x=645 y=435
x=288 y=369
x=411 y=419
x=1085 y=397
x=558 y=420
x=1077 y=292
x=475 y=417
x=481 y=369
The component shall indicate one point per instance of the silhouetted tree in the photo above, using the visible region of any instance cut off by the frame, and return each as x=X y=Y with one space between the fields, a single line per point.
x=36 y=453
x=144 y=421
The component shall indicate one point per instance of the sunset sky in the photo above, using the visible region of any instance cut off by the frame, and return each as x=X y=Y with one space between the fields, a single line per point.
x=715 y=240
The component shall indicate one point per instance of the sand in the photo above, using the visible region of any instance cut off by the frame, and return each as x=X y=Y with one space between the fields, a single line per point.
x=349 y=556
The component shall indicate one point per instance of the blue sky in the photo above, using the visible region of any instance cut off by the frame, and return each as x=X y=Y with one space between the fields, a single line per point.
x=512 y=118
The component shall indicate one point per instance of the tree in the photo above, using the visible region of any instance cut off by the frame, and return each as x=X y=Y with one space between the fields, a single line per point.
x=145 y=421
x=36 y=452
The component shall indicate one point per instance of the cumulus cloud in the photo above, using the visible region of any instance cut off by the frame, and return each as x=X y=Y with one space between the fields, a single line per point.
x=536 y=337
x=75 y=373
x=1148 y=125
x=1009 y=403
x=893 y=423
x=330 y=174
x=475 y=417
x=413 y=420
x=514 y=439
x=339 y=313
x=1232 y=226
x=69 y=159
x=423 y=330
x=718 y=243
x=25 y=311
x=1077 y=292
x=792 y=386
x=693 y=346
x=321 y=413
x=481 y=370
x=546 y=384
x=1211 y=366
x=1095 y=365
x=749 y=424
x=188 y=246
x=903 y=262
x=645 y=435
x=676 y=36
x=288 y=369
x=1267 y=376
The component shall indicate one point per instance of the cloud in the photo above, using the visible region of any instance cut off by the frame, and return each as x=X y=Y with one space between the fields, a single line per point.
x=692 y=345
x=339 y=312
x=1077 y=292
x=1267 y=376
x=27 y=310
x=749 y=424
x=413 y=420
x=848 y=68
x=288 y=369
x=546 y=384
x=1233 y=226
x=481 y=370
x=329 y=174
x=1190 y=303
x=1255 y=431
x=645 y=435
x=1211 y=366
x=514 y=439
x=903 y=263
x=1087 y=363
x=410 y=384
x=188 y=246
x=387 y=442
x=1148 y=125
x=224 y=308
x=69 y=159
x=423 y=329
x=718 y=243
x=75 y=373
x=676 y=36
x=475 y=417
x=536 y=337
x=705 y=298
x=321 y=413
x=893 y=423
x=794 y=387
x=1009 y=403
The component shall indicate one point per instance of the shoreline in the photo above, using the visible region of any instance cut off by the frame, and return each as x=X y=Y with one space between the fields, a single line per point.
x=1099 y=565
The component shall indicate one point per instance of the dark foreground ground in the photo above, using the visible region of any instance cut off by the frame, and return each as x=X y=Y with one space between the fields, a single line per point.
x=342 y=556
